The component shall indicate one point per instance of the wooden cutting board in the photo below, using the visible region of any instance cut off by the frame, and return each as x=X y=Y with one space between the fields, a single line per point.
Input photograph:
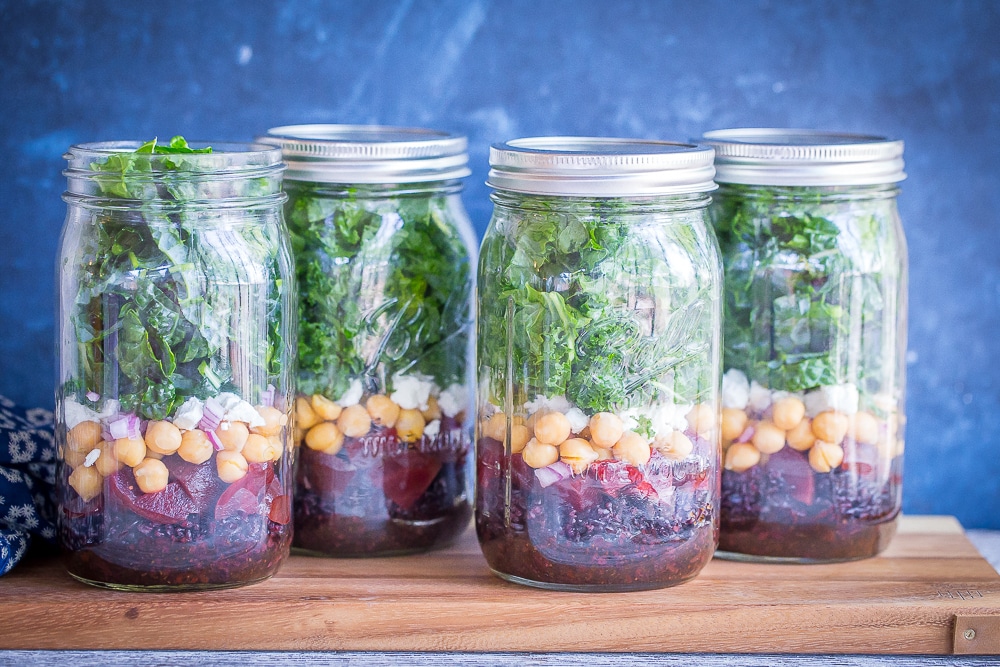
x=929 y=591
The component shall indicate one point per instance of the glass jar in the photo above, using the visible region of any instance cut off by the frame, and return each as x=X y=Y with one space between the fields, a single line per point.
x=598 y=365
x=382 y=248
x=174 y=390
x=815 y=342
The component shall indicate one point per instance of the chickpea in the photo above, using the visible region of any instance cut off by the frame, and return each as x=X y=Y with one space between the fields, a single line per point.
x=734 y=422
x=195 y=447
x=578 y=453
x=830 y=426
x=519 y=436
x=788 y=412
x=130 y=451
x=433 y=410
x=382 y=410
x=162 y=437
x=553 y=428
x=606 y=429
x=632 y=448
x=232 y=435
x=539 y=454
x=231 y=466
x=741 y=456
x=305 y=416
x=324 y=408
x=535 y=416
x=602 y=453
x=801 y=438
x=864 y=428
x=277 y=446
x=354 y=421
x=75 y=459
x=675 y=445
x=702 y=419
x=107 y=463
x=825 y=456
x=150 y=454
x=84 y=437
x=151 y=475
x=410 y=425
x=273 y=418
x=495 y=427
x=768 y=438
x=325 y=437
x=258 y=449
x=87 y=482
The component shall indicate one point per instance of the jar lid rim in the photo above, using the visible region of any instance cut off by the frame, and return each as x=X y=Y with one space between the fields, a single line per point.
x=789 y=156
x=600 y=166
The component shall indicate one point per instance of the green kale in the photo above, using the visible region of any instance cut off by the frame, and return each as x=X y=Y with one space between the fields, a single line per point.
x=384 y=288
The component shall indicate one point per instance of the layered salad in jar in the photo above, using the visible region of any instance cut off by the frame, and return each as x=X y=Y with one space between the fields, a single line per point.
x=172 y=434
x=597 y=435
x=812 y=392
x=383 y=412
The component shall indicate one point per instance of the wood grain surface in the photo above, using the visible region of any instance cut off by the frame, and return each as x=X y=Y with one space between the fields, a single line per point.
x=903 y=602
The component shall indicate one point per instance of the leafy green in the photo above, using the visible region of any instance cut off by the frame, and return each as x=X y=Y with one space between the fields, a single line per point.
x=384 y=287
x=579 y=298
x=156 y=281
x=802 y=270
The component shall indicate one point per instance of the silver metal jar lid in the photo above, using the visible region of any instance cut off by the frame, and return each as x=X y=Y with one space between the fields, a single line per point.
x=369 y=154
x=771 y=156
x=600 y=167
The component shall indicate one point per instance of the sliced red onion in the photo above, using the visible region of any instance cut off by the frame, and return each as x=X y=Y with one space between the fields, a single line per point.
x=214 y=439
x=93 y=396
x=212 y=415
x=746 y=435
x=549 y=475
x=134 y=427
x=106 y=434
x=267 y=398
x=119 y=428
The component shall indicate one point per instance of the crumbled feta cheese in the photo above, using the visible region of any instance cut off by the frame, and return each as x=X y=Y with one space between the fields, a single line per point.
x=353 y=394
x=432 y=429
x=577 y=419
x=840 y=397
x=760 y=397
x=630 y=418
x=189 y=414
x=735 y=389
x=77 y=414
x=489 y=409
x=228 y=400
x=411 y=392
x=554 y=404
x=453 y=400
x=244 y=412
x=92 y=457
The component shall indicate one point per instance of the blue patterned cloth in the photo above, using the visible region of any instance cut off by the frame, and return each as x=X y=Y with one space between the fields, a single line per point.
x=27 y=480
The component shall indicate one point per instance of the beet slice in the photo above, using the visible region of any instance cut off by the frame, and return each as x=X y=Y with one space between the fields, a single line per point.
x=246 y=493
x=795 y=473
x=200 y=481
x=406 y=476
x=171 y=505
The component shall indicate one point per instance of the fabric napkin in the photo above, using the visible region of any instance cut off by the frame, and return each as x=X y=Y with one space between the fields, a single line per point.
x=27 y=480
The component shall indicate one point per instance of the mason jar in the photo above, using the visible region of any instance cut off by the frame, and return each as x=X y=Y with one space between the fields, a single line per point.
x=382 y=248
x=815 y=342
x=598 y=365
x=174 y=390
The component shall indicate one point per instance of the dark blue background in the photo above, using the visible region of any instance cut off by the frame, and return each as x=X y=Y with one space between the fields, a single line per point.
x=926 y=72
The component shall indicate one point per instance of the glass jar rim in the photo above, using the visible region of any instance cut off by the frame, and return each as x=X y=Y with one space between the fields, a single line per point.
x=369 y=154
x=788 y=156
x=600 y=167
x=225 y=156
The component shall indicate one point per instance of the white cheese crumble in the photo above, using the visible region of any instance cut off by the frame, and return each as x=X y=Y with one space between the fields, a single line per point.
x=735 y=389
x=77 y=414
x=577 y=419
x=238 y=410
x=432 y=429
x=840 y=397
x=92 y=457
x=352 y=396
x=189 y=414
x=554 y=404
x=410 y=392
x=760 y=397
x=453 y=400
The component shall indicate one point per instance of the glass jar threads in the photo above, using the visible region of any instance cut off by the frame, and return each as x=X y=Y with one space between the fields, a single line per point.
x=598 y=365
x=815 y=342
x=174 y=391
x=382 y=248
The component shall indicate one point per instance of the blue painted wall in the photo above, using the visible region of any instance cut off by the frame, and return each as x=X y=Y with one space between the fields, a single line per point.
x=927 y=72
